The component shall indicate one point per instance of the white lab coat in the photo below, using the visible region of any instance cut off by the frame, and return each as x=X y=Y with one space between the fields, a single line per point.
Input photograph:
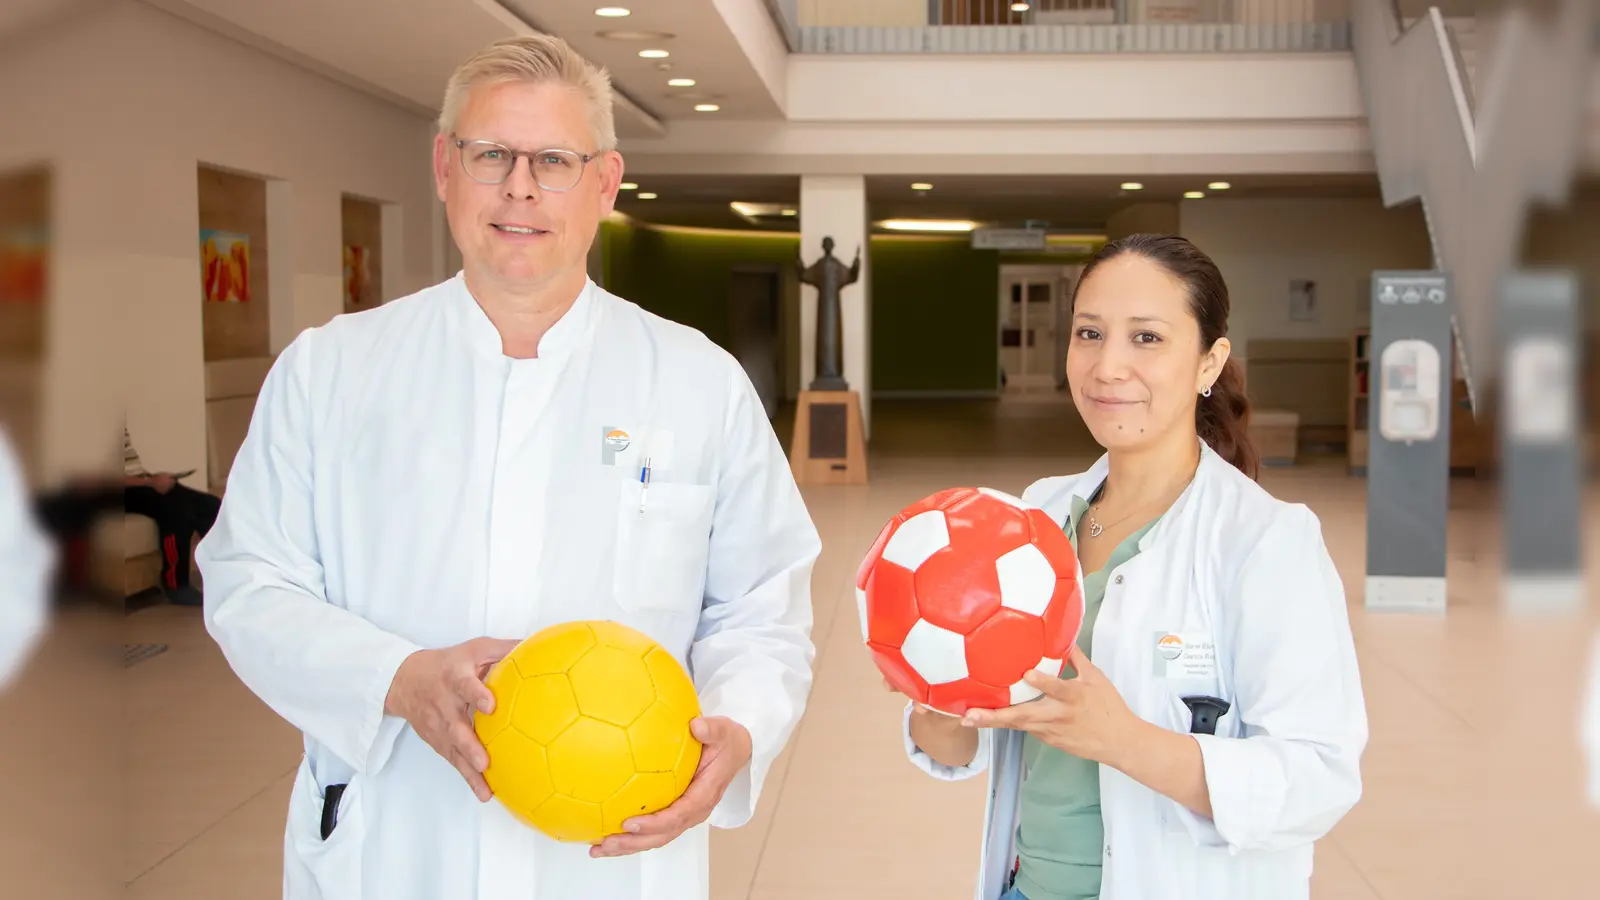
x=27 y=562
x=405 y=485
x=1230 y=565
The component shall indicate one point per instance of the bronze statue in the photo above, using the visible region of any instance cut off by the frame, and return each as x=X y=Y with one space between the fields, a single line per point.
x=829 y=276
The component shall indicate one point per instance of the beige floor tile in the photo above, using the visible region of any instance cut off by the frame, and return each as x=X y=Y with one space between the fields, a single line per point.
x=197 y=755
x=239 y=857
x=1472 y=774
x=61 y=785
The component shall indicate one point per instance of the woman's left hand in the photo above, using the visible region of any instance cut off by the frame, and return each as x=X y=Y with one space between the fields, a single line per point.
x=1083 y=716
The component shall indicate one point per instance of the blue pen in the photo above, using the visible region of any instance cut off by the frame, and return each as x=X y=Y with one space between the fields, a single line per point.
x=644 y=483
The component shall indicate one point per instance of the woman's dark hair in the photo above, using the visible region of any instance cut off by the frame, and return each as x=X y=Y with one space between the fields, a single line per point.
x=1221 y=419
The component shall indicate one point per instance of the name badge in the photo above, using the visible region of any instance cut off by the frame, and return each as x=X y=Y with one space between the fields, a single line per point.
x=1186 y=654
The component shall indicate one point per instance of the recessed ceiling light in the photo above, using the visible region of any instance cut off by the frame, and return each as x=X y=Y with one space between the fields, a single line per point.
x=1219 y=185
x=791 y=212
x=625 y=34
x=647 y=195
x=1193 y=195
x=938 y=225
x=628 y=186
x=1132 y=186
x=612 y=12
x=706 y=107
x=1019 y=7
x=680 y=82
x=654 y=54
x=921 y=186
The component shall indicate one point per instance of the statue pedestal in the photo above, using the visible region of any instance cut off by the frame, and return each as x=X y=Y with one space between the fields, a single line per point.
x=828 y=447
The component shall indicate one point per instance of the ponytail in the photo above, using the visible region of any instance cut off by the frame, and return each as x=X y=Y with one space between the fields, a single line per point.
x=1223 y=421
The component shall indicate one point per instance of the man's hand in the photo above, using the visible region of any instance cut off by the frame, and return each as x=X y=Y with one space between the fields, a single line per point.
x=726 y=752
x=437 y=690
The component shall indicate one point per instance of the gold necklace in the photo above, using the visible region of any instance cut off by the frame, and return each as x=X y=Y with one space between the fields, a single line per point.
x=1096 y=529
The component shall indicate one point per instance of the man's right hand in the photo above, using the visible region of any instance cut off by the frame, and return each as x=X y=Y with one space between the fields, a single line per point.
x=437 y=690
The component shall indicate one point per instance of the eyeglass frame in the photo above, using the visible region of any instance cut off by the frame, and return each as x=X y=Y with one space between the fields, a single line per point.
x=583 y=162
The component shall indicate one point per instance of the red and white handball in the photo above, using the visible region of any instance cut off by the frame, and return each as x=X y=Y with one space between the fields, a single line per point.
x=963 y=593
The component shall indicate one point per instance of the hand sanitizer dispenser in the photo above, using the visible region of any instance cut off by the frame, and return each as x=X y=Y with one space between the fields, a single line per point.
x=1408 y=408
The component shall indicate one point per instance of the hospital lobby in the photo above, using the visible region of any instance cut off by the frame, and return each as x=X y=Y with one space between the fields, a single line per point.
x=186 y=186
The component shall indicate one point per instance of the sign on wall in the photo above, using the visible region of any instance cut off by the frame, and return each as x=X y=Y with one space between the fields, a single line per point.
x=1008 y=239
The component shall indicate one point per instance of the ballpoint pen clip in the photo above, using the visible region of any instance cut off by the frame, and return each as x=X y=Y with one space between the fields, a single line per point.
x=644 y=483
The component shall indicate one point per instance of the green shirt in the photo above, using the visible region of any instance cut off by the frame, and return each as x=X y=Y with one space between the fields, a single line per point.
x=1059 y=834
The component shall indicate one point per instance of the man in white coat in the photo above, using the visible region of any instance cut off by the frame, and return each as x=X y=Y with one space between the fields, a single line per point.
x=426 y=483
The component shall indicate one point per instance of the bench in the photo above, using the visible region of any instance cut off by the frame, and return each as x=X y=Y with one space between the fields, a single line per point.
x=1276 y=435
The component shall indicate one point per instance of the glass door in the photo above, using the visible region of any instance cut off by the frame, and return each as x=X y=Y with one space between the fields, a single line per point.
x=1028 y=332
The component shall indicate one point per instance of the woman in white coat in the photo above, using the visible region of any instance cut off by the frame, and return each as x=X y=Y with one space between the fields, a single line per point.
x=1218 y=731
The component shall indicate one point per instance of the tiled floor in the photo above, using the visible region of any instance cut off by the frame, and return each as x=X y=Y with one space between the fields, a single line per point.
x=1472 y=777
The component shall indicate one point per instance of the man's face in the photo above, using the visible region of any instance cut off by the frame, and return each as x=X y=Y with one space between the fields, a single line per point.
x=517 y=234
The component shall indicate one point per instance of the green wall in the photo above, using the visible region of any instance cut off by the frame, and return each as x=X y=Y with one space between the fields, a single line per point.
x=683 y=275
x=935 y=315
x=935 y=308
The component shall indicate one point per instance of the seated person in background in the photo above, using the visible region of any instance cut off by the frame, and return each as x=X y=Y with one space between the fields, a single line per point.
x=180 y=513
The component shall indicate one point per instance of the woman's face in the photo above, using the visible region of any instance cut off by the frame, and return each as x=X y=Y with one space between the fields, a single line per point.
x=1135 y=363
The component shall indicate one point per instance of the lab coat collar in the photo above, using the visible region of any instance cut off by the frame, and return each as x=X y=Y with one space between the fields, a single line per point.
x=1091 y=480
x=483 y=337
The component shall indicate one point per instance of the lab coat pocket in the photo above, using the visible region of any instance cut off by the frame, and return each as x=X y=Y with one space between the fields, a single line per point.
x=1174 y=815
x=663 y=538
x=318 y=869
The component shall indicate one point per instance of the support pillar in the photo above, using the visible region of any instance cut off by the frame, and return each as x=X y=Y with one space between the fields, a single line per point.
x=1541 y=486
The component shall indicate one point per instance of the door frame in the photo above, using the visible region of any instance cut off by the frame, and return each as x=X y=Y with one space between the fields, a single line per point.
x=781 y=345
x=1062 y=278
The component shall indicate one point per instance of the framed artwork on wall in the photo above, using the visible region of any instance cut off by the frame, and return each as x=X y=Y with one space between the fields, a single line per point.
x=225 y=266
x=1302 y=300
x=24 y=256
x=358 y=283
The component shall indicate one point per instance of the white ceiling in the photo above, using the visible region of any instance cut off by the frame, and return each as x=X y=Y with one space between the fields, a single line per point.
x=19 y=18
x=405 y=50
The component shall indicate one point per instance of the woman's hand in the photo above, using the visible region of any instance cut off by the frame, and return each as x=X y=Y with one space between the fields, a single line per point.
x=1084 y=716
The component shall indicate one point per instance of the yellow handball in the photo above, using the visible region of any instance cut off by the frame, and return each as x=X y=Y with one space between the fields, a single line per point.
x=590 y=728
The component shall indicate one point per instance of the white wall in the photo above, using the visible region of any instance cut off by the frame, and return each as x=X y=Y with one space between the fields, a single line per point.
x=1260 y=245
x=864 y=12
x=126 y=102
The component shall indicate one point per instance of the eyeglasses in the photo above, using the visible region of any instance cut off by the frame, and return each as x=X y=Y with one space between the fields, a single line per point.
x=490 y=163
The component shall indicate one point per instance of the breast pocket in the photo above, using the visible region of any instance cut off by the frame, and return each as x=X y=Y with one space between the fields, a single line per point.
x=663 y=546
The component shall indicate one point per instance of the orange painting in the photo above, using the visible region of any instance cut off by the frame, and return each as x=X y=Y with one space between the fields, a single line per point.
x=23 y=270
x=357 y=277
x=225 y=266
